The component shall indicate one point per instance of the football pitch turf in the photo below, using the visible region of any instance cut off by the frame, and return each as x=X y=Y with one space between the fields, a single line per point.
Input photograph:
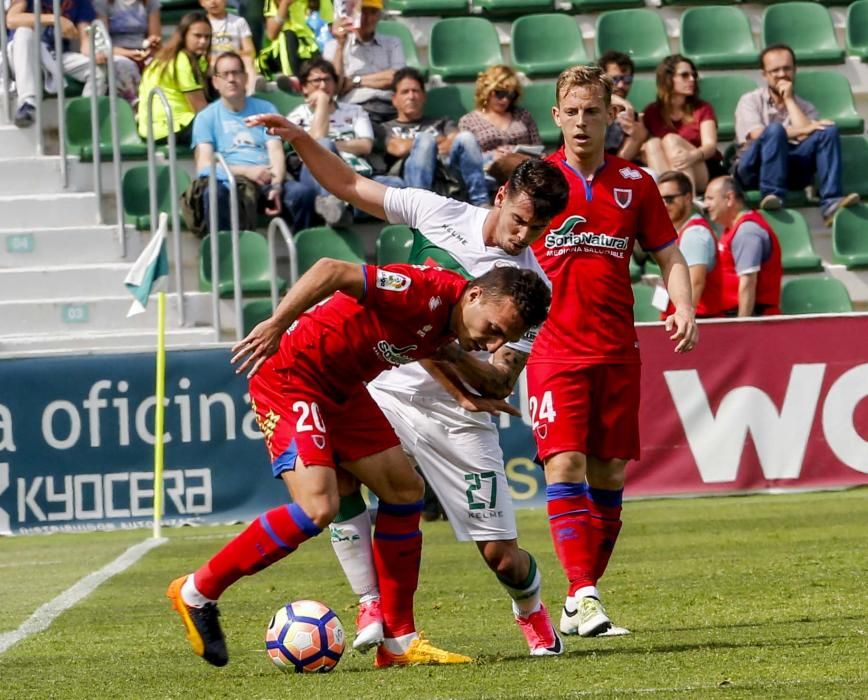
x=759 y=596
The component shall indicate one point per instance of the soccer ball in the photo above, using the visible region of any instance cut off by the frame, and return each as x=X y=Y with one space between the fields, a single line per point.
x=305 y=637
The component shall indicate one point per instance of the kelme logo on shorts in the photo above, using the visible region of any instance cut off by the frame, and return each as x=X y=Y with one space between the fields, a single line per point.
x=565 y=236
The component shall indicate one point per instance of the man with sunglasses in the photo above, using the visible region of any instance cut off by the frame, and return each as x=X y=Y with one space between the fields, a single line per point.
x=625 y=135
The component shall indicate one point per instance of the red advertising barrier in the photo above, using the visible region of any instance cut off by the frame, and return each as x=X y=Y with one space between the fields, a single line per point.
x=766 y=404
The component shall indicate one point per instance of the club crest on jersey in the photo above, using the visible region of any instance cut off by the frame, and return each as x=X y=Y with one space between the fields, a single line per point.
x=319 y=441
x=392 y=354
x=623 y=197
x=392 y=281
x=630 y=174
x=434 y=302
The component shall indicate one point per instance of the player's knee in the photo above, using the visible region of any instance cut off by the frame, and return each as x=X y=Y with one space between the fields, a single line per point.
x=501 y=556
x=322 y=508
x=408 y=488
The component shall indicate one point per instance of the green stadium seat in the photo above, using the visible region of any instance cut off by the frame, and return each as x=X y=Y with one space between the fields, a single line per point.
x=797 y=248
x=254 y=312
x=830 y=93
x=642 y=93
x=699 y=2
x=815 y=295
x=723 y=92
x=563 y=45
x=718 y=37
x=78 y=134
x=325 y=242
x=513 y=8
x=539 y=98
x=854 y=156
x=596 y=5
x=642 y=309
x=635 y=270
x=253 y=250
x=433 y=8
x=857 y=29
x=794 y=199
x=399 y=30
x=804 y=26
x=452 y=101
x=136 y=194
x=394 y=244
x=652 y=268
x=461 y=47
x=639 y=33
x=283 y=101
x=171 y=11
x=850 y=236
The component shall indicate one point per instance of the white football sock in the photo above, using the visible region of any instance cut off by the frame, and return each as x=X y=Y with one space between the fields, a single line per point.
x=587 y=592
x=191 y=595
x=351 y=540
x=525 y=596
x=398 y=645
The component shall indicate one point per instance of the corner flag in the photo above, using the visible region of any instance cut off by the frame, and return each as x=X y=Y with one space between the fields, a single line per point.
x=152 y=264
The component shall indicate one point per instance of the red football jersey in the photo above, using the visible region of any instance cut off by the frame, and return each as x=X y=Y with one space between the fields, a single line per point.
x=402 y=317
x=586 y=255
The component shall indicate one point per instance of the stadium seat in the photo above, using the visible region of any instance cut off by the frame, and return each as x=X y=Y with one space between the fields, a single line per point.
x=563 y=45
x=255 y=311
x=635 y=270
x=326 y=242
x=815 y=295
x=642 y=309
x=452 y=101
x=513 y=8
x=718 y=37
x=399 y=30
x=136 y=194
x=461 y=47
x=253 y=249
x=539 y=98
x=639 y=33
x=854 y=156
x=595 y=5
x=642 y=93
x=830 y=93
x=797 y=248
x=433 y=8
x=793 y=198
x=171 y=11
x=723 y=92
x=699 y=2
x=857 y=29
x=394 y=244
x=850 y=236
x=283 y=101
x=78 y=134
x=804 y=26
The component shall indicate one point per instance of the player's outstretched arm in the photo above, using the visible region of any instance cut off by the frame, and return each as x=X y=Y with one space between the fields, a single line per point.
x=329 y=169
x=494 y=378
x=676 y=276
x=447 y=378
x=323 y=279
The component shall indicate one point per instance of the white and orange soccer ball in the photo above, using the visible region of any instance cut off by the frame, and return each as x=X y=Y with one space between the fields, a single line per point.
x=305 y=637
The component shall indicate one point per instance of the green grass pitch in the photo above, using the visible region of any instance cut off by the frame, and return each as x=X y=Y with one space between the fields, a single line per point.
x=760 y=596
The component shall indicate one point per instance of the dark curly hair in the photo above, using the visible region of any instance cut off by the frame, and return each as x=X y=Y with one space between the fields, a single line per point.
x=526 y=288
x=543 y=183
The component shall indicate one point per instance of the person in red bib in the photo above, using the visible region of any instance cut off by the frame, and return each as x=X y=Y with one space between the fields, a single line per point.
x=697 y=244
x=749 y=253
x=583 y=372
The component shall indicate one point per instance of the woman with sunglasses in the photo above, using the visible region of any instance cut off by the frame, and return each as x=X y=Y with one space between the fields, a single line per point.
x=498 y=124
x=682 y=128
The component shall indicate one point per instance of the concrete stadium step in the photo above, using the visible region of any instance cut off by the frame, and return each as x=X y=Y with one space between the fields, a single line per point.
x=34 y=283
x=15 y=142
x=84 y=314
x=30 y=175
x=33 y=247
x=47 y=210
x=143 y=340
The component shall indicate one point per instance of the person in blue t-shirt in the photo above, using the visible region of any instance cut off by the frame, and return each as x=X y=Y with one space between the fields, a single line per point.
x=249 y=152
x=76 y=16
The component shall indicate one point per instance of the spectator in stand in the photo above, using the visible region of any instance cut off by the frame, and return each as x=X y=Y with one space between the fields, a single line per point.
x=366 y=62
x=625 y=135
x=749 y=253
x=255 y=158
x=782 y=143
x=341 y=127
x=136 y=31
x=232 y=33
x=502 y=128
x=289 y=40
x=416 y=145
x=697 y=243
x=682 y=128
x=180 y=69
x=76 y=16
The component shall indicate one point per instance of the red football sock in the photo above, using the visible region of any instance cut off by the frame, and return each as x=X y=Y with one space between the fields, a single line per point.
x=605 y=508
x=266 y=540
x=397 y=556
x=569 y=521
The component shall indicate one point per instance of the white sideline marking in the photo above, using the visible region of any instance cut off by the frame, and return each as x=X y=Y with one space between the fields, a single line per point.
x=50 y=611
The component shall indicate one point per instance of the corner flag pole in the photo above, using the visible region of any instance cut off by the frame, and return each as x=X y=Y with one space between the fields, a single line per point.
x=159 y=412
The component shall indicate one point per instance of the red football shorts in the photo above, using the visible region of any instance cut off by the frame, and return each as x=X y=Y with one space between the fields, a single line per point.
x=593 y=409
x=300 y=421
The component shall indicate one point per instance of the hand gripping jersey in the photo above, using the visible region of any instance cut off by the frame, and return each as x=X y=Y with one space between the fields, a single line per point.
x=586 y=255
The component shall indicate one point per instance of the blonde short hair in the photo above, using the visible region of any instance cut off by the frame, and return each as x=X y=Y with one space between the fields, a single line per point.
x=584 y=76
x=496 y=78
